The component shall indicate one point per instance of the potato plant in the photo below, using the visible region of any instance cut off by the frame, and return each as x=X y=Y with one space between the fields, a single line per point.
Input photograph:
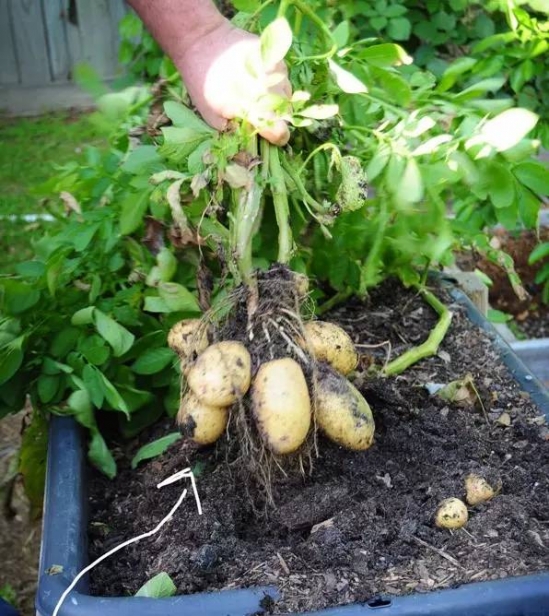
x=240 y=243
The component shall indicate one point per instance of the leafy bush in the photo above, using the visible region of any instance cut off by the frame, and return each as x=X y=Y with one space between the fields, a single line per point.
x=465 y=41
x=139 y=52
x=148 y=230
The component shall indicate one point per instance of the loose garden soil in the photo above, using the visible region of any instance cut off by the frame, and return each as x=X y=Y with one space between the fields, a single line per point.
x=362 y=523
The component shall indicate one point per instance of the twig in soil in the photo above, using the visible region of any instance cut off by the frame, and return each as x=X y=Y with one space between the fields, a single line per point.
x=444 y=581
x=283 y=563
x=442 y=553
x=478 y=575
x=430 y=346
x=386 y=343
x=383 y=314
x=373 y=346
x=475 y=390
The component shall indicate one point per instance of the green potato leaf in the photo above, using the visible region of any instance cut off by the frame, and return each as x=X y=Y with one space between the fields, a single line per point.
x=154 y=449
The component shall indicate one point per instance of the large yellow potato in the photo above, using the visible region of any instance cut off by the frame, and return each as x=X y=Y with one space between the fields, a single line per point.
x=328 y=342
x=221 y=374
x=188 y=337
x=451 y=513
x=281 y=405
x=342 y=413
x=200 y=422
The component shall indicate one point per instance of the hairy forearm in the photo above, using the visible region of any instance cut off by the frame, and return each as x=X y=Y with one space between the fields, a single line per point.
x=178 y=24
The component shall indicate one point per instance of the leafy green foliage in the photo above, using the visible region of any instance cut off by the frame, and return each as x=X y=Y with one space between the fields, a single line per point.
x=139 y=52
x=464 y=42
x=74 y=331
x=36 y=145
x=161 y=585
x=497 y=316
x=151 y=450
x=381 y=153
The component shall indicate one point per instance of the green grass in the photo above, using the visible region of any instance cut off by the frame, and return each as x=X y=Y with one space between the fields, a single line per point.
x=31 y=147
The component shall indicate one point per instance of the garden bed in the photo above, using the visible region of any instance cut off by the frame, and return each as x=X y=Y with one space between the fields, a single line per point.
x=375 y=509
x=531 y=316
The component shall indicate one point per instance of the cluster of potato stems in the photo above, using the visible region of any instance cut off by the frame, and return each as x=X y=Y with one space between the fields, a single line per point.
x=284 y=406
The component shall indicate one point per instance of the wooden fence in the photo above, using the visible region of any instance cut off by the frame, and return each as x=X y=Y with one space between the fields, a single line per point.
x=41 y=41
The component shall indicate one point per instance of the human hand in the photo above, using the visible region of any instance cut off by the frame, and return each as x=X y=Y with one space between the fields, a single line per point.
x=225 y=78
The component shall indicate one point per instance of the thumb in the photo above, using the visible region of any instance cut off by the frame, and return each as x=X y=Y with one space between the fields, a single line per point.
x=276 y=132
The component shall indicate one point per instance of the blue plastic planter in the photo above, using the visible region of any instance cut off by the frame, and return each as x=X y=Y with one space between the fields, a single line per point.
x=64 y=543
x=7 y=610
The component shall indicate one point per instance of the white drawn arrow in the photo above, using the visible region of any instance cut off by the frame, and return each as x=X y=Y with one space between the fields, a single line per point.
x=186 y=473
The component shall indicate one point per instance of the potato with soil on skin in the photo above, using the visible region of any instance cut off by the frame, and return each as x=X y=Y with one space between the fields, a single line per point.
x=478 y=490
x=451 y=513
x=281 y=405
x=328 y=342
x=342 y=413
x=221 y=374
x=200 y=422
x=187 y=338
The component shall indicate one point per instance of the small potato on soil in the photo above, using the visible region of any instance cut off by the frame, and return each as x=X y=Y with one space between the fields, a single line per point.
x=342 y=412
x=328 y=342
x=478 y=490
x=200 y=422
x=188 y=337
x=451 y=513
x=281 y=405
x=221 y=374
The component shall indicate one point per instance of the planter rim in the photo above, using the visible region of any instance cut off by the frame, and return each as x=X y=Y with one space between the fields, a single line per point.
x=64 y=543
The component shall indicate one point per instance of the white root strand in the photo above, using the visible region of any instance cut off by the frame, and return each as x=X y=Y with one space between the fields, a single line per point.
x=290 y=342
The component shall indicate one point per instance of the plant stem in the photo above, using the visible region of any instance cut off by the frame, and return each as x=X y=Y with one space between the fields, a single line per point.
x=280 y=201
x=336 y=299
x=248 y=208
x=298 y=21
x=283 y=7
x=304 y=8
x=302 y=190
x=320 y=148
x=430 y=346
x=425 y=273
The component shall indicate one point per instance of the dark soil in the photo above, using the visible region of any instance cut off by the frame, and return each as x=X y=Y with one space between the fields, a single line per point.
x=531 y=315
x=362 y=523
